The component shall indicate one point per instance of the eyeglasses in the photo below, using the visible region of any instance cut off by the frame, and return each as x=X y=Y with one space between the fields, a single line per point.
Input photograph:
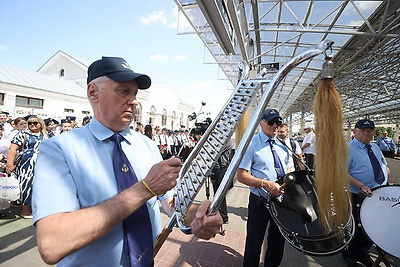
x=272 y=122
x=33 y=122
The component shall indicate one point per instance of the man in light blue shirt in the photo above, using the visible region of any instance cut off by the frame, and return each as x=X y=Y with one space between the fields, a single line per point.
x=362 y=180
x=387 y=145
x=258 y=170
x=77 y=207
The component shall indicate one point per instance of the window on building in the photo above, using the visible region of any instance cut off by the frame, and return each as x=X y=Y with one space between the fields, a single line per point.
x=1 y=99
x=22 y=101
x=181 y=120
x=173 y=120
x=153 y=110
x=138 y=115
x=152 y=117
x=164 y=118
x=62 y=73
x=68 y=110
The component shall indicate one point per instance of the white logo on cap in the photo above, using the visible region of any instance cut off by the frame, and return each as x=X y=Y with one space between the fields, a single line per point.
x=366 y=122
x=272 y=112
x=126 y=65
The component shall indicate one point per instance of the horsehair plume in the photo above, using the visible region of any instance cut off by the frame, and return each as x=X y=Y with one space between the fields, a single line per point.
x=331 y=157
x=241 y=128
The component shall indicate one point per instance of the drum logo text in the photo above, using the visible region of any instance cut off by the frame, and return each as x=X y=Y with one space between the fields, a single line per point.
x=395 y=200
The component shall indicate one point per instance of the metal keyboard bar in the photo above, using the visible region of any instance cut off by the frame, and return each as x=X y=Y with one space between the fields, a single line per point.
x=202 y=159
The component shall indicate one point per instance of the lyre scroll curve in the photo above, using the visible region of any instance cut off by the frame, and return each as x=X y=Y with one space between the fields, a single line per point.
x=206 y=153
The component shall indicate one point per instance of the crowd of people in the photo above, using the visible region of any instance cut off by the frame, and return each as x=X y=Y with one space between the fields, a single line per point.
x=106 y=215
x=20 y=138
x=19 y=148
x=171 y=142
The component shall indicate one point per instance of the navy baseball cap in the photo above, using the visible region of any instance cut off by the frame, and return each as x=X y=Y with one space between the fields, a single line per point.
x=270 y=114
x=71 y=118
x=117 y=69
x=365 y=123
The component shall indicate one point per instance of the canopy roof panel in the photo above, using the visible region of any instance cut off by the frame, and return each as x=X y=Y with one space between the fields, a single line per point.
x=366 y=50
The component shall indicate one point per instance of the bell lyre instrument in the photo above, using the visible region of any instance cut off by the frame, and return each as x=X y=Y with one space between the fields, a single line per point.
x=206 y=153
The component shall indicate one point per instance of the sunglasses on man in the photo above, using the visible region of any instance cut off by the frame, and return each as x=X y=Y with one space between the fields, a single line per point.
x=272 y=122
x=33 y=123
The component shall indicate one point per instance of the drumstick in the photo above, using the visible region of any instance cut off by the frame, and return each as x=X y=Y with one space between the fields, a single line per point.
x=288 y=179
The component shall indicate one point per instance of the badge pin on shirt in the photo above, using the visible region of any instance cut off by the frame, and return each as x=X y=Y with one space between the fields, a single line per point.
x=125 y=168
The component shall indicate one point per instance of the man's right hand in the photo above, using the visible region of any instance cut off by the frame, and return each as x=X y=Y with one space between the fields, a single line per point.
x=162 y=176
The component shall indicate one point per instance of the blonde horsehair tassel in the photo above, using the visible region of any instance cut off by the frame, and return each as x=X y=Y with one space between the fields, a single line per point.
x=331 y=157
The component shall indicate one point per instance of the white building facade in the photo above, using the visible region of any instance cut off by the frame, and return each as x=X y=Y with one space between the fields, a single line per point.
x=58 y=89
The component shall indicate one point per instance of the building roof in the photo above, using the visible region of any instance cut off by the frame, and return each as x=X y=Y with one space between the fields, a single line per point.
x=83 y=64
x=22 y=77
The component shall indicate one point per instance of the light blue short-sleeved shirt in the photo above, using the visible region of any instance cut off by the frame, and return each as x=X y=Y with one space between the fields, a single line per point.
x=74 y=170
x=259 y=161
x=360 y=166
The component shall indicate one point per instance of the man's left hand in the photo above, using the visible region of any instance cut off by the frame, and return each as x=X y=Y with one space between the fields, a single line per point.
x=205 y=225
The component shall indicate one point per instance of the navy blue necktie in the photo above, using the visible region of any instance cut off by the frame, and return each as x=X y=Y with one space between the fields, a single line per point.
x=138 y=237
x=277 y=163
x=379 y=176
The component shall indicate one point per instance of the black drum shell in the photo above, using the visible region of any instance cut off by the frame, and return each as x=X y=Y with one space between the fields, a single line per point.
x=307 y=236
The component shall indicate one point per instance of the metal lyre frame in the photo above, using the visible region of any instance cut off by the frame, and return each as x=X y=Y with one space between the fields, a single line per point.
x=206 y=153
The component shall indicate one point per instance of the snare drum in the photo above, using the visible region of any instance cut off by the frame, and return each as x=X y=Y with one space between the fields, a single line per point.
x=295 y=213
x=380 y=217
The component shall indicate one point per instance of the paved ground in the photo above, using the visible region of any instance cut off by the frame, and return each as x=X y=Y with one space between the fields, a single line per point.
x=18 y=243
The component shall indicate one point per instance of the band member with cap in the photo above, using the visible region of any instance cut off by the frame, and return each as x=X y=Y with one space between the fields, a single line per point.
x=165 y=144
x=295 y=161
x=86 y=120
x=7 y=128
x=308 y=146
x=51 y=126
x=72 y=120
x=387 y=145
x=91 y=182
x=367 y=169
x=265 y=161
x=66 y=125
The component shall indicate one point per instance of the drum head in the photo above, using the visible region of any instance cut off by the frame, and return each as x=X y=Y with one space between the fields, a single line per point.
x=296 y=214
x=380 y=216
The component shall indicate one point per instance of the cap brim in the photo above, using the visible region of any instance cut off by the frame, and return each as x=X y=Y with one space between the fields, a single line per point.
x=270 y=118
x=143 y=81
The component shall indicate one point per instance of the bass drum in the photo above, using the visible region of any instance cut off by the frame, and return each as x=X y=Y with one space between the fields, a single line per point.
x=380 y=217
x=295 y=213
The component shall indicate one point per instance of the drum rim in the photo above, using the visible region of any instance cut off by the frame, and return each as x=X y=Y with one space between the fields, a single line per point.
x=324 y=235
x=285 y=231
x=361 y=223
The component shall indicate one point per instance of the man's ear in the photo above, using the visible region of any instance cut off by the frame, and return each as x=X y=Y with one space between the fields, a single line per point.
x=92 y=92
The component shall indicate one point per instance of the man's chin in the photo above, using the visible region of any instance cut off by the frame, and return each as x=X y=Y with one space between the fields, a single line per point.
x=127 y=119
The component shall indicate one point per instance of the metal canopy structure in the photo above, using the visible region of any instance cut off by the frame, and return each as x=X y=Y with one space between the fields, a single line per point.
x=267 y=33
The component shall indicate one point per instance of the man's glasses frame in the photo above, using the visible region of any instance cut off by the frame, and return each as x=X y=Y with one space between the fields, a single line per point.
x=272 y=122
x=33 y=122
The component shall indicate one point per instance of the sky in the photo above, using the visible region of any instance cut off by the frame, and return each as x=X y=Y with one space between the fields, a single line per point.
x=144 y=33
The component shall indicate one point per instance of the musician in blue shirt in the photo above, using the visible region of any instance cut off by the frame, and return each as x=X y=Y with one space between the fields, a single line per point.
x=387 y=145
x=362 y=180
x=78 y=209
x=258 y=170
